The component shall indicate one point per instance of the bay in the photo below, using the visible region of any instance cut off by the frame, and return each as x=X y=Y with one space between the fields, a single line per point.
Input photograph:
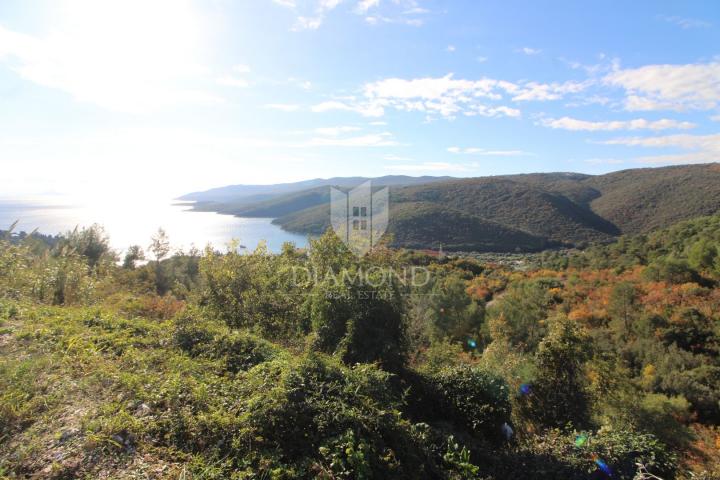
x=133 y=223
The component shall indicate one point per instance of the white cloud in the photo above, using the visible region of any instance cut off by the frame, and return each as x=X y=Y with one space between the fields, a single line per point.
x=396 y=158
x=487 y=153
x=415 y=10
x=92 y=55
x=230 y=81
x=335 y=131
x=364 y=5
x=529 y=51
x=235 y=79
x=367 y=109
x=685 y=22
x=371 y=140
x=548 y=91
x=304 y=84
x=444 y=96
x=567 y=123
x=669 y=87
x=715 y=118
x=432 y=167
x=328 y=4
x=283 y=107
x=395 y=11
x=378 y=19
x=448 y=97
x=589 y=100
x=378 y=123
x=331 y=105
x=450 y=48
x=431 y=88
x=307 y=23
x=700 y=148
x=315 y=20
x=312 y=13
x=481 y=59
x=604 y=161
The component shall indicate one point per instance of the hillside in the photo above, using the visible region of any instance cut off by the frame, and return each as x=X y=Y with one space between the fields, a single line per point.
x=599 y=364
x=638 y=201
x=550 y=208
x=414 y=222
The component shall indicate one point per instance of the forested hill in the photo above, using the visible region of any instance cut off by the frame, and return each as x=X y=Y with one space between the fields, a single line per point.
x=509 y=213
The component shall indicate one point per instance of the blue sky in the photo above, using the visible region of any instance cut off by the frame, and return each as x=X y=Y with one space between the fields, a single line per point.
x=169 y=96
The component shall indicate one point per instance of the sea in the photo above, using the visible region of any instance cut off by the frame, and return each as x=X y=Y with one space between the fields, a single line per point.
x=134 y=223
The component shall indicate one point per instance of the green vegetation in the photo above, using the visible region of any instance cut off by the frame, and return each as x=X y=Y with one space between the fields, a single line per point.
x=514 y=213
x=318 y=364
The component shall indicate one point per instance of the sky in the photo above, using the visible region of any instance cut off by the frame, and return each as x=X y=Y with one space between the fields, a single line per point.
x=162 y=97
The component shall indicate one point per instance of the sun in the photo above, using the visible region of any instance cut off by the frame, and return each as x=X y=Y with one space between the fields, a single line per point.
x=124 y=54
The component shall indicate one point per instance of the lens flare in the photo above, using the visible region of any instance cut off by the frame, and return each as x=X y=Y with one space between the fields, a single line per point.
x=581 y=440
x=604 y=467
x=525 y=389
x=472 y=343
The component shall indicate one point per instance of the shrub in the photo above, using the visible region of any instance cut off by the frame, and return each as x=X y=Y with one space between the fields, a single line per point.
x=473 y=399
x=360 y=320
x=239 y=350
x=663 y=416
x=252 y=291
x=319 y=419
x=670 y=270
x=518 y=316
x=560 y=396
x=554 y=454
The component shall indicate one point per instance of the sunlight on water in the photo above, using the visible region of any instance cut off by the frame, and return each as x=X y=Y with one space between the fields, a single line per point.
x=129 y=223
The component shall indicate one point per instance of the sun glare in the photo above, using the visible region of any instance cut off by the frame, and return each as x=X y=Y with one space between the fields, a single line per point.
x=126 y=55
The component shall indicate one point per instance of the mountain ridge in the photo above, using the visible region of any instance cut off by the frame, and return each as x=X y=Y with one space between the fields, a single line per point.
x=523 y=212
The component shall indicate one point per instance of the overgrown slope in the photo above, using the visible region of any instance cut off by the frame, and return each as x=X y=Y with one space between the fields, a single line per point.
x=559 y=208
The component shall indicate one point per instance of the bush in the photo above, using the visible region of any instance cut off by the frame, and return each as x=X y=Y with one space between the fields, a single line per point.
x=473 y=399
x=360 y=320
x=319 y=419
x=554 y=454
x=560 y=396
x=239 y=350
x=670 y=270
x=254 y=291
x=663 y=416
x=519 y=315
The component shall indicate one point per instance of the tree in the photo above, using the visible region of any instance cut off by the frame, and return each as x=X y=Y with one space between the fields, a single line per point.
x=670 y=270
x=258 y=291
x=456 y=315
x=359 y=316
x=559 y=396
x=623 y=305
x=92 y=243
x=518 y=316
x=702 y=254
x=133 y=255
x=160 y=247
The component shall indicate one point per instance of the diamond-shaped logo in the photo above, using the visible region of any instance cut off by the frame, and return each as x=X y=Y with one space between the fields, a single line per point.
x=360 y=217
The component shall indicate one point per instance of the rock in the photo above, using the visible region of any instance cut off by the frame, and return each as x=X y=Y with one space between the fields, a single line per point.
x=143 y=410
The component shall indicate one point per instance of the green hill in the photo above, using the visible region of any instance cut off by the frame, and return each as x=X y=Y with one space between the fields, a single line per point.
x=512 y=212
x=413 y=223
x=638 y=201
